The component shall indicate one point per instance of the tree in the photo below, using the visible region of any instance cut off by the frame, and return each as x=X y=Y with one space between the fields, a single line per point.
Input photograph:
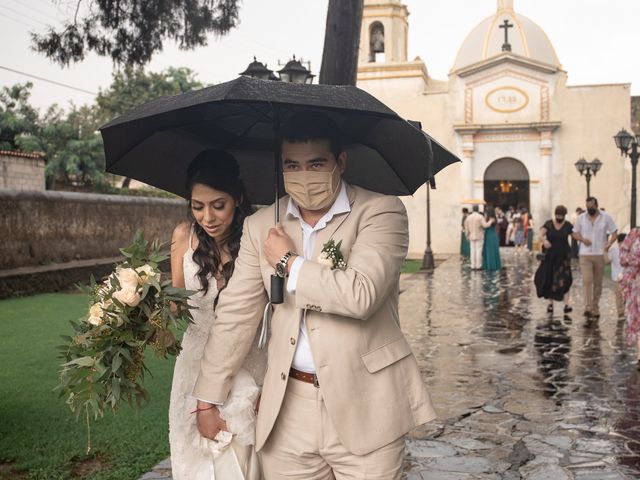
x=133 y=86
x=131 y=31
x=341 y=42
x=17 y=116
x=70 y=140
x=72 y=145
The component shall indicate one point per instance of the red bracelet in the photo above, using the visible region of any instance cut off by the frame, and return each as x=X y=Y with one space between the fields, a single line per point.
x=203 y=409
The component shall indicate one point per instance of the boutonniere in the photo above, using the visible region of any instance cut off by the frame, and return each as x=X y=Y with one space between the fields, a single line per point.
x=331 y=256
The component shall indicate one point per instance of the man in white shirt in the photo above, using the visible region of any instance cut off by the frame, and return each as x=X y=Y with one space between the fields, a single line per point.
x=474 y=226
x=596 y=231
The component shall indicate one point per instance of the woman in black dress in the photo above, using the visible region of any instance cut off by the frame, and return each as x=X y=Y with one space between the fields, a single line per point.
x=553 y=278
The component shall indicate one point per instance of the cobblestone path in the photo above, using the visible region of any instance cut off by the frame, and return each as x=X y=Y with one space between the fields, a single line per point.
x=520 y=393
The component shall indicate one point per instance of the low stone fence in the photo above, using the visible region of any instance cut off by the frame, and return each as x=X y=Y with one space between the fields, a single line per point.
x=41 y=228
x=43 y=234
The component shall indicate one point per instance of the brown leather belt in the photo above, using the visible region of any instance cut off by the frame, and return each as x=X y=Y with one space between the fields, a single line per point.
x=304 y=377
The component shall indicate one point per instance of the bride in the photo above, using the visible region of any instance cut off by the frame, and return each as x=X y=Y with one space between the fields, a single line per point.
x=203 y=251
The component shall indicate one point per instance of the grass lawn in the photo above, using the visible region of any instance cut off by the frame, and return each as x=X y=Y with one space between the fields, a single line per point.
x=39 y=436
x=411 y=266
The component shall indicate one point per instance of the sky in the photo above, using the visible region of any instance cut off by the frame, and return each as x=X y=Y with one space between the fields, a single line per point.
x=595 y=40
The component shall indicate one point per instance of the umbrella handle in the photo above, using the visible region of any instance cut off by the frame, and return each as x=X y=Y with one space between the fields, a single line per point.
x=277 y=290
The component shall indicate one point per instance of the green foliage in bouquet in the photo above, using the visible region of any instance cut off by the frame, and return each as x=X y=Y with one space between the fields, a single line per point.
x=134 y=307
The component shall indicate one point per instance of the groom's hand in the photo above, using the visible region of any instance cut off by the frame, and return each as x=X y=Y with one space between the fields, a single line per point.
x=209 y=420
x=277 y=244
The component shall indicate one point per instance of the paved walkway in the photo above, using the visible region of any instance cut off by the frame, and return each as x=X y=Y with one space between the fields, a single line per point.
x=521 y=394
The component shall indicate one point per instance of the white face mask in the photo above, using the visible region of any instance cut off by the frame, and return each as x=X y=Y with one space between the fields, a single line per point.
x=313 y=190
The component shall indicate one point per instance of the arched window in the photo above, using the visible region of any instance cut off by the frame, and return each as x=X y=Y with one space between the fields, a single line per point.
x=376 y=42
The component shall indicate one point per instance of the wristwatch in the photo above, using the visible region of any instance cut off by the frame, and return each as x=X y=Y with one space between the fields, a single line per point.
x=281 y=266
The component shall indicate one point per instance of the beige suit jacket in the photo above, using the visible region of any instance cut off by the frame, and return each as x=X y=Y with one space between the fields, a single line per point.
x=370 y=381
x=474 y=226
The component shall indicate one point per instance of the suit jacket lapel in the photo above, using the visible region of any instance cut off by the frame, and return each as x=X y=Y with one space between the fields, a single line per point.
x=327 y=232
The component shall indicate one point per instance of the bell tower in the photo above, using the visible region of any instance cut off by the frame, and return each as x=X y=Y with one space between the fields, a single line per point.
x=383 y=37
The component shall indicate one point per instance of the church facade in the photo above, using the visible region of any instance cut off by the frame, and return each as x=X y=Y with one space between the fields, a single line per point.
x=507 y=111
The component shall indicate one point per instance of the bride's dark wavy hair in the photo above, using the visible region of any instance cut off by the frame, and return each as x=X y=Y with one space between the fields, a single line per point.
x=218 y=170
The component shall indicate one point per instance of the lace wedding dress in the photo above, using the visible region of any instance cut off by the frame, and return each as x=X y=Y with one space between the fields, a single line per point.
x=231 y=456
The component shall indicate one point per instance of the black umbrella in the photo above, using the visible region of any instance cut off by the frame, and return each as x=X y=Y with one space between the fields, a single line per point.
x=155 y=142
x=441 y=156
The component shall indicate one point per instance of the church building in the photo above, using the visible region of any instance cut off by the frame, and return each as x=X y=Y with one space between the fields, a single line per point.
x=507 y=111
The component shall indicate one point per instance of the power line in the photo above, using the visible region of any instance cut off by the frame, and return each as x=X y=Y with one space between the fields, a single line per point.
x=32 y=8
x=17 y=21
x=13 y=10
x=60 y=84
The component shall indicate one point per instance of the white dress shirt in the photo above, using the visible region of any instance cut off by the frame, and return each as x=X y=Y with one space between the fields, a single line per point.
x=597 y=232
x=614 y=257
x=303 y=360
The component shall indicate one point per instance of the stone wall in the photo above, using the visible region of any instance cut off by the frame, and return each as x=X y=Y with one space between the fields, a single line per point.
x=21 y=171
x=42 y=228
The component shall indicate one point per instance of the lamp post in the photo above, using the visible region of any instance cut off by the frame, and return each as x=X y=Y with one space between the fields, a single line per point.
x=588 y=169
x=295 y=72
x=259 y=70
x=427 y=260
x=628 y=145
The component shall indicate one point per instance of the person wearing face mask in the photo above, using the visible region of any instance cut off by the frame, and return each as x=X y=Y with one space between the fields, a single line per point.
x=596 y=231
x=342 y=386
x=553 y=278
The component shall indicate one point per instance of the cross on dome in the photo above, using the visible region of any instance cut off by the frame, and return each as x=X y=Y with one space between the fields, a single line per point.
x=506 y=46
x=519 y=37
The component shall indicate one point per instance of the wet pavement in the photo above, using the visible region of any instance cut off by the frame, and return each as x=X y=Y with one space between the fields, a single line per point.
x=520 y=393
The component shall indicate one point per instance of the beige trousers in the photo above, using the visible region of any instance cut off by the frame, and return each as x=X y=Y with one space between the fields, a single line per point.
x=476 y=253
x=592 y=268
x=304 y=444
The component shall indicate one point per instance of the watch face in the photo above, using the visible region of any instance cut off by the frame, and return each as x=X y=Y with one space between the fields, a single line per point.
x=280 y=270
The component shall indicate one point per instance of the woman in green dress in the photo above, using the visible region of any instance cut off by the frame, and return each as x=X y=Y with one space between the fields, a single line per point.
x=465 y=249
x=491 y=248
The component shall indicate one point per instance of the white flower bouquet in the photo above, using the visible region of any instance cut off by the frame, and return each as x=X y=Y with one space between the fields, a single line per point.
x=131 y=309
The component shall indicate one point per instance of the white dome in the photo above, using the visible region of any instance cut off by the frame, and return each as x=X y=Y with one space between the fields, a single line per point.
x=526 y=38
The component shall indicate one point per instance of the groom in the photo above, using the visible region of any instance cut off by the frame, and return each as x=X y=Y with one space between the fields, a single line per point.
x=342 y=385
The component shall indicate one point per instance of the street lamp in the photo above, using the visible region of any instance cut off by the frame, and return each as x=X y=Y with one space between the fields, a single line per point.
x=628 y=145
x=588 y=169
x=259 y=70
x=428 y=263
x=295 y=72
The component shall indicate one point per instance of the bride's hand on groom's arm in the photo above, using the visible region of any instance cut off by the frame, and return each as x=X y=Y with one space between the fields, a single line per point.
x=209 y=420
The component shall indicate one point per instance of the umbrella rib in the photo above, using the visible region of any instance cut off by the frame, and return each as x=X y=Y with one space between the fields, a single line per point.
x=246 y=130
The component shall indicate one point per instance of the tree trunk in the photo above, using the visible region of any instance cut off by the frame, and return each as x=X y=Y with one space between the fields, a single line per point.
x=341 y=42
x=126 y=182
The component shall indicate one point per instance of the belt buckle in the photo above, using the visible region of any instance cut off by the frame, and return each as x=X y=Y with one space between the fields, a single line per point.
x=315 y=381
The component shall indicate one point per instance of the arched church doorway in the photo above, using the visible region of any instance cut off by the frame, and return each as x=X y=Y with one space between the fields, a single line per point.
x=506 y=184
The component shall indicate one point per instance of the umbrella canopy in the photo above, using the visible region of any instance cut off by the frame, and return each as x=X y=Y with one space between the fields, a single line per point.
x=155 y=142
